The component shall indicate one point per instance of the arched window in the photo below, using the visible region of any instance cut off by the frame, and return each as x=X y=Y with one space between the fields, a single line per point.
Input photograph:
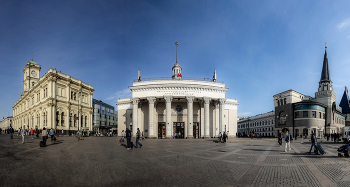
x=44 y=119
x=85 y=121
x=62 y=118
x=285 y=101
x=278 y=103
x=70 y=120
x=57 y=118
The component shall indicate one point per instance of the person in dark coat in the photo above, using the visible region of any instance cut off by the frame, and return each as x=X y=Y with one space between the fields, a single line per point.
x=313 y=142
x=280 y=138
x=128 y=138
x=224 y=137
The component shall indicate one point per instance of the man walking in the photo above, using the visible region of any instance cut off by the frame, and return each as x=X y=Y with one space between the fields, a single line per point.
x=123 y=135
x=11 y=132
x=219 y=136
x=280 y=138
x=313 y=142
x=52 y=134
x=138 y=134
x=31 y=132
x=44 y=136
x=128 y=138
x=287 y=139
x=23 y=133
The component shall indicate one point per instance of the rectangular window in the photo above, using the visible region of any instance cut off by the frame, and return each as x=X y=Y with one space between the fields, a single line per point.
x=305 y=114
x=313 y=114
x=320 y=115
x=324 y=116
x=296 y=114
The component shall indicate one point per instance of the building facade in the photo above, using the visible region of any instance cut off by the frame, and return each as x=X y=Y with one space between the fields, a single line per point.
x=104 y=117
x=54 y=100
x=301 y=114
x=178 y=107
x=262 y=124
x=6 y=123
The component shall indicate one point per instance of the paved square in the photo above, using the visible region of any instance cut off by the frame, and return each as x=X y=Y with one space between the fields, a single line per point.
x=104 y=161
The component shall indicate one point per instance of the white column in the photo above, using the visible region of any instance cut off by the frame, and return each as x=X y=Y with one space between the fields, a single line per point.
x=151 y=101
x=135 y=102
x=201 y=104
x=221 y=111
x=168 y=125
x=217 y=121
x=190 y=116
x=139 y=114
x=206 y=116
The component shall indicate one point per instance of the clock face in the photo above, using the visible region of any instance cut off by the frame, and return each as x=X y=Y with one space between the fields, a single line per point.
x=33 y=73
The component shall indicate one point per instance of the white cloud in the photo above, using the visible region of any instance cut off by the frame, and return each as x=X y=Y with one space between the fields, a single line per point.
x=120 y=94
x=344 y=24
x=244 y=114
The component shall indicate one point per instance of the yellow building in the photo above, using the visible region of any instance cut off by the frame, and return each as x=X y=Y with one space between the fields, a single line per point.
x=53 y=101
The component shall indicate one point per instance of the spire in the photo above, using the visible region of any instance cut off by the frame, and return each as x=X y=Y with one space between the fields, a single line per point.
x=325 y=76
x=176 y=43
x=344 y=102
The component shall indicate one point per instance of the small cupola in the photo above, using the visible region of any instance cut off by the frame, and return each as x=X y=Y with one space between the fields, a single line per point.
x=177 y=68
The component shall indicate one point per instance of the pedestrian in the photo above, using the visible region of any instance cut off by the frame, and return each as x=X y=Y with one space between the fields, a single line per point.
x=220 y=136
x=19 y=132
x=31 y=132
x=224 y=137
x=37 y=132
x=280 y=138
x=23 y=133
x=313 y=142
x=62 y=132
x=138 y=135
x=57 y=132
x=11 y=132
x=287 y=139
x=123 y=135
x=143 y=137
x=52 y=134
x=44 y=136
x=128 y=138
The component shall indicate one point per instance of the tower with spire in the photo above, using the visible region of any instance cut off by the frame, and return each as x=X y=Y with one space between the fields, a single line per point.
x=177 y=68
x=325 y=94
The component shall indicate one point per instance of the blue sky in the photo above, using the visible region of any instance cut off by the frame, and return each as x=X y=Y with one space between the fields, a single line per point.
x=258 y=48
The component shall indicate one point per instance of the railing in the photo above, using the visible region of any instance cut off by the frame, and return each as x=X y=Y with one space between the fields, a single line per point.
x=184 y=78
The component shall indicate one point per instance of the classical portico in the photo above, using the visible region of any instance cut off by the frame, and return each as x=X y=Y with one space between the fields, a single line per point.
x=178 y=107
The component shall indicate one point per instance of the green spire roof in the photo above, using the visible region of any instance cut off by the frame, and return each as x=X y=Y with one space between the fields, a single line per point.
x=32 y=62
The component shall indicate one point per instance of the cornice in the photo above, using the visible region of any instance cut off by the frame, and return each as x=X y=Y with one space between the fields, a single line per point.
x=177 y=88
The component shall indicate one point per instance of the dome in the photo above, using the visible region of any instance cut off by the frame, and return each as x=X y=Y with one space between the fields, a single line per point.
x=32 y=62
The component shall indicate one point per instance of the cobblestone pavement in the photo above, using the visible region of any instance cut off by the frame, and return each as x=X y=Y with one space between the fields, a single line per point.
x=104 y=161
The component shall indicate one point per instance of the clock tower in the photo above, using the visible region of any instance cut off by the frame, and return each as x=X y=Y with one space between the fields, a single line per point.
x=31 y=75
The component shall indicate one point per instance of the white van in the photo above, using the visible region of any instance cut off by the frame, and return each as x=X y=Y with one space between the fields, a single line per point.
x=346 y=136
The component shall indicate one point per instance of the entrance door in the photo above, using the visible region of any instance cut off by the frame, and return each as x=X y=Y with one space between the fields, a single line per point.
x=178 y=128
x=195 y=130
x=161 y=130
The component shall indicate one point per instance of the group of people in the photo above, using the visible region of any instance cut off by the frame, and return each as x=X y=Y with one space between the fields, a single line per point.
x=287 y=138
x=333 y=137
x=127 y=135
x=223 y=137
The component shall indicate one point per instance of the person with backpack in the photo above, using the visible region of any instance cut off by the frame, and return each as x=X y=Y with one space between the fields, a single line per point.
x=128 y=138
x=313 y=142
x=287 y=139
x=138 y=135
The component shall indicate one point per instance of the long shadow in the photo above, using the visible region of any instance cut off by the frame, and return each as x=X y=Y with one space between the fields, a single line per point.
x=124 y=145
x=53 y=143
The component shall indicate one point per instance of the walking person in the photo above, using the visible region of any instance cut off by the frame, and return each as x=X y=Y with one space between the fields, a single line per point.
x=62 y=132
x=37 y=132
x=31 y=132
x=123 y=135
x=11 y=132
x=44 y=136
x=313 y=142
x=287 y=139
x=220 y=136
x=251 y=135
x=128 y=138
x=52 y=134
x=224 y=137
x=143 y=137
x=23 y=133
x=138 y=135
x=280 y=138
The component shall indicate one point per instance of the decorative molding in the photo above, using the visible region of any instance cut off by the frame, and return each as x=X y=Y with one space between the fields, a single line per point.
x=151 y=100
x=206 y=100
x=168 y=98
x=190 y=99
x=135 y=101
